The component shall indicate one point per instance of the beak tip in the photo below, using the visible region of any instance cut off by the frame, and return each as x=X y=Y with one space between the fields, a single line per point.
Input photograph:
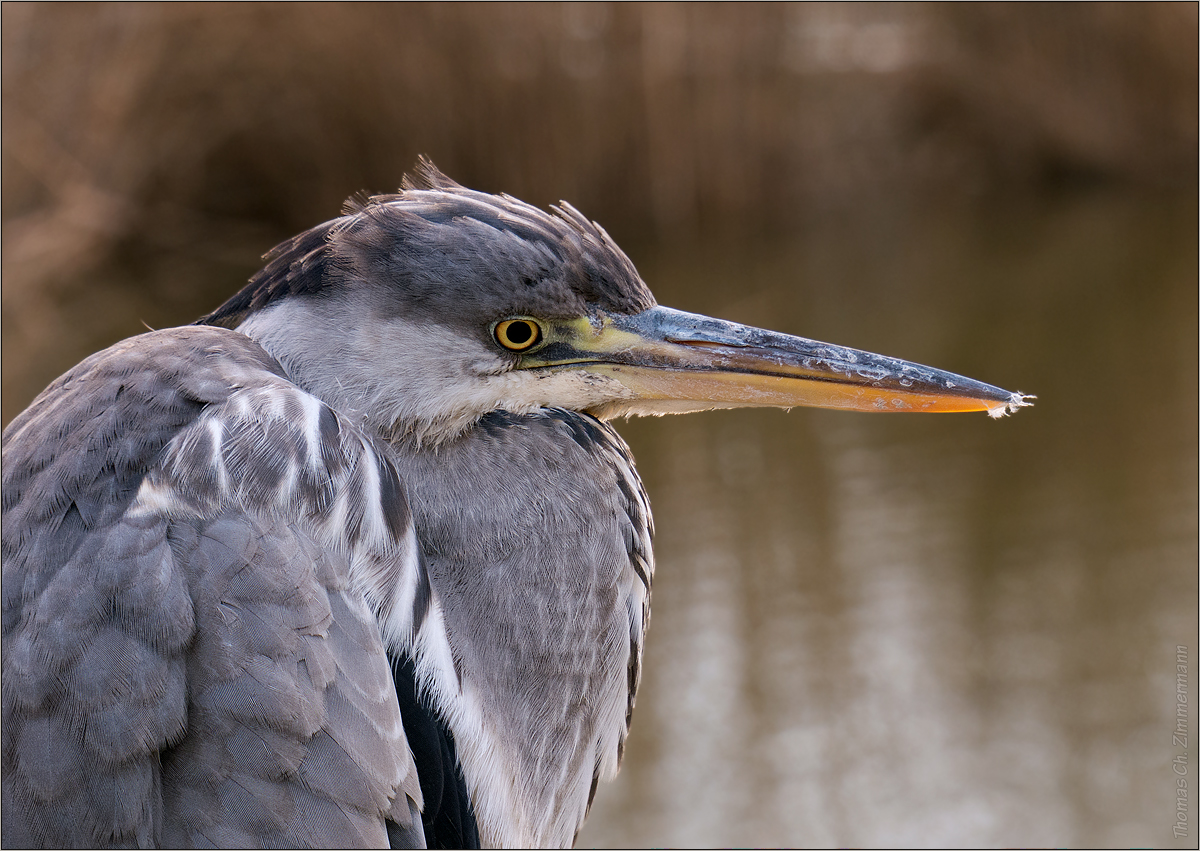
x=1014 y=401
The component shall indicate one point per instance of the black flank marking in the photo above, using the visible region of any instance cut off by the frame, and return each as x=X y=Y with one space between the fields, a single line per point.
x=448 y=819
x=391 y=500
x=329 y=432
x=422 y=596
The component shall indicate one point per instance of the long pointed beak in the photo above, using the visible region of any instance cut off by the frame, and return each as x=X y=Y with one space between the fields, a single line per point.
x=672 y=362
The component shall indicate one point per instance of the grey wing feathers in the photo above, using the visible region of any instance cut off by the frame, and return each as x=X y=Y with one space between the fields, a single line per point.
x=189 y=656
x=295 y=733
x=93 y=686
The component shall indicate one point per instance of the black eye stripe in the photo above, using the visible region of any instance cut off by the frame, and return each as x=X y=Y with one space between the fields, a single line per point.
x=517 y=335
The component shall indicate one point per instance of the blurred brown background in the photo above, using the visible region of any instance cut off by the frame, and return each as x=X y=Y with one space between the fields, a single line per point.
x=158 y=151
x=884 y=631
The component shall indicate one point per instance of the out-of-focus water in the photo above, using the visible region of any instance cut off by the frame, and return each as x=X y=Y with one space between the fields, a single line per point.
x=903 y=630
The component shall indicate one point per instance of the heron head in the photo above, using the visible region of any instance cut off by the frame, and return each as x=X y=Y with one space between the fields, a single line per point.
x=422 y=311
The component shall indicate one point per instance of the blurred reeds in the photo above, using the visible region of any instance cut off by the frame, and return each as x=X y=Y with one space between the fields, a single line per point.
x=152 y=152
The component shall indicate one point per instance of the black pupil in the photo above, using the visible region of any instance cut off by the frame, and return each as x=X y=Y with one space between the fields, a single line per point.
x=519 y=333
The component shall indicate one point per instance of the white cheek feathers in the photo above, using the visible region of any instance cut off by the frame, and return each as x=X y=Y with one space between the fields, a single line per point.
x=406 y=382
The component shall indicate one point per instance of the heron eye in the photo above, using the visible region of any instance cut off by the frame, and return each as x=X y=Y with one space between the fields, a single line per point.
x=517 y=335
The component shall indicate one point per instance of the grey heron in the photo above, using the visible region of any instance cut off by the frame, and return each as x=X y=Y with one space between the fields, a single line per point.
x=357 y=557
